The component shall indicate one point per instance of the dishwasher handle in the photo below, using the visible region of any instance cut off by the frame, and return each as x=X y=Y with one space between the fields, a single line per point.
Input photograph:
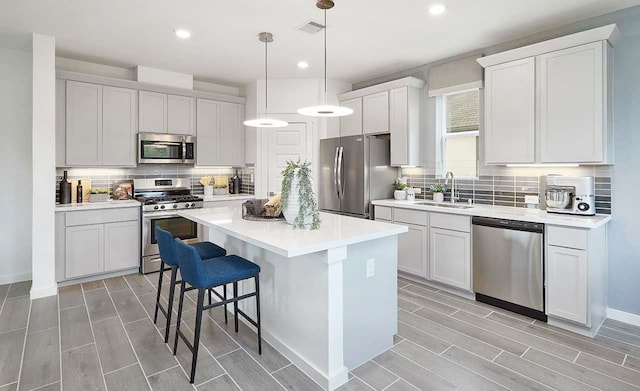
x=508 y=224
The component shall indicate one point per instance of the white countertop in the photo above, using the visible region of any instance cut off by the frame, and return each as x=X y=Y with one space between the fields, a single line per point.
x=505 y=212
x=97 y=205
x=280 y=237
x=227 y=197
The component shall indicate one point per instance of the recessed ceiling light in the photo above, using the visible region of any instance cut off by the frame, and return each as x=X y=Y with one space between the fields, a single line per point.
x=184 y=34
x=303 y=65
x=437 y=9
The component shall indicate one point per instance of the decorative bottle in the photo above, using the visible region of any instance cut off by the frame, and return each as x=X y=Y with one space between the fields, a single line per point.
x=79 y=192
x=65 y=189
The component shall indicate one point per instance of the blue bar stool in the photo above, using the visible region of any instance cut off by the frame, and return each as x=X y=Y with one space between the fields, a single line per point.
x=167 y=247
x=203 y=275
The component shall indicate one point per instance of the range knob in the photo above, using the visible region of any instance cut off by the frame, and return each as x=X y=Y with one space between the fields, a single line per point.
x=162 y=207
x=155 y=207
x=186 y=205
x=175 y=206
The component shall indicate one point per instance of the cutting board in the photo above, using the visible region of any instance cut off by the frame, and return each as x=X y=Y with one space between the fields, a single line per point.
x=86 y=188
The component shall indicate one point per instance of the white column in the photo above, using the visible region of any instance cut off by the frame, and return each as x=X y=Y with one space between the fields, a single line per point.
x=43 y=168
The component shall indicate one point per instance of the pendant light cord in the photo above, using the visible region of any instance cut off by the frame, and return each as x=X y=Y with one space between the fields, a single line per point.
x=325 y=56
x=266 y=77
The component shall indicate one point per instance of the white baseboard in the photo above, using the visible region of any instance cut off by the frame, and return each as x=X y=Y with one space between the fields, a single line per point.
x=626 y=317
x=11 y=278
x=37 y=293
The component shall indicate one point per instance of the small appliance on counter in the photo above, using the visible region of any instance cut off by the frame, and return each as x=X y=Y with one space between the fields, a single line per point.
x=65 y=189
x=570 y=195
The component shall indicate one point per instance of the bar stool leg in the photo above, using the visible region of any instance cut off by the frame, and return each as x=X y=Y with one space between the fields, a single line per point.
x=196 y=339
x=224 y=295
x=172 y=290
x=175 y=343
x=257 y=278
x=209 y=290
x=155 y=315
x=235 y=305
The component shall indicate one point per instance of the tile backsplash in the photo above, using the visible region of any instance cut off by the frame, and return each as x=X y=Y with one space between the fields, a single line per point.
x=106 y=177
x=507 y=186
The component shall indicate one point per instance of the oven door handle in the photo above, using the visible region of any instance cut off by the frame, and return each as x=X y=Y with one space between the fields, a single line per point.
x=159 y=216
x=184 y=150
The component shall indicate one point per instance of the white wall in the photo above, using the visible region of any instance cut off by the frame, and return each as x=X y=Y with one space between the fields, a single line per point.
x=43 y=166
x=15 y=152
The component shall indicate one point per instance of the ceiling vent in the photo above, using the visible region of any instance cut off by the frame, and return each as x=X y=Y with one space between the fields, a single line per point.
x=311 y=27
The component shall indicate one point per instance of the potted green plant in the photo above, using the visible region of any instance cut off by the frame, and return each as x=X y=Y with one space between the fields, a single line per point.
x=400 y=192
x=299 y=204
x=438 y=191
x=99 y=194
x=219 y=189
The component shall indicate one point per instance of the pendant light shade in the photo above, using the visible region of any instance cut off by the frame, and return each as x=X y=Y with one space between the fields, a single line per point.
x=266 y=122
x=325 y=110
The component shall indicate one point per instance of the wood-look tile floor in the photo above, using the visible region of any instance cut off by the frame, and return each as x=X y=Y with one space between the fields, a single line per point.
x=100 y=335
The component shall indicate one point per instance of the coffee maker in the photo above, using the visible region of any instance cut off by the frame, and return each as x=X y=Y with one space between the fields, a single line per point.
x=570 y=195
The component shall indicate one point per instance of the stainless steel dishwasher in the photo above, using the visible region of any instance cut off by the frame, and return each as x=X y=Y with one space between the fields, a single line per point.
x=508 y=265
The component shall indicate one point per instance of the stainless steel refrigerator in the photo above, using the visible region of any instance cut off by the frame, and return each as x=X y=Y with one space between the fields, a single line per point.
x=353 y=171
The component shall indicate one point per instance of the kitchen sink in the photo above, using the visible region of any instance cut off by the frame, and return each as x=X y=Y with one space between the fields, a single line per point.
x=446 y=205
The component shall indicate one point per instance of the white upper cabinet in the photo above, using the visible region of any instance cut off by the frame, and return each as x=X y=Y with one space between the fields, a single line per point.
x=181 y=115
x=119 y=119
x=153 y=112
x=404 y=126
x=84 y=124
x=509 y=130
x=551 y=102
x=573 y=105
x=375 y=113
x=220 y=134
x=351 y=125
x=100 y=126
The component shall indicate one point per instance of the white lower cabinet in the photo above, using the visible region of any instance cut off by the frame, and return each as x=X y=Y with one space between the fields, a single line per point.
x=97 y=241
x=450 y=257
x=121 y=245
x=84 y=250
x=412 y=250
x=567 y=284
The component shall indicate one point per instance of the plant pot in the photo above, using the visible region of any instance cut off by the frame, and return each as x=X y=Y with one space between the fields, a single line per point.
x=98 y=197
x=222 y=191
x=208 y=190
x=293 y=203
x=438 y=197
x=400 y=194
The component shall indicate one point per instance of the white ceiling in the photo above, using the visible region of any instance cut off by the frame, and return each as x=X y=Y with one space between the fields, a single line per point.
x=367 y=38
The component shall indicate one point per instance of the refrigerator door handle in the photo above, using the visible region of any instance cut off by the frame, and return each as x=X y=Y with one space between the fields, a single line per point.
x=340 y=174
x=335 y=173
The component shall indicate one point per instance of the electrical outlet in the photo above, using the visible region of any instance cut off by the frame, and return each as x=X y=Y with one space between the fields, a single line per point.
x=531 y=199
x=371 y=267
x=417 y=190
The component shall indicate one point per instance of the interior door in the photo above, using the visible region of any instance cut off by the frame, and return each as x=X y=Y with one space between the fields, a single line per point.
x=327 y=184
x=289 y=143
x=354 y=175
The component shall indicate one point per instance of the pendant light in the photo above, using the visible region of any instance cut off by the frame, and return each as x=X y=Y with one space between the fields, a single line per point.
x=266 y=122
x=325 y=110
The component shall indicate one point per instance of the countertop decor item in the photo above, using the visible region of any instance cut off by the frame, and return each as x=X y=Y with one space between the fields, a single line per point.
x=123 y=190
x=400 y=187
x=299 y=202
x=262 y=210
x=86 y=188
x=65 y=189
x=206 y=182
x=99 y=194
x=438 y=191
x=219 y=189
x=263 y=121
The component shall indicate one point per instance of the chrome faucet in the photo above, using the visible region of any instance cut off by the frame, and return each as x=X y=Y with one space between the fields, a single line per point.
x=448 y=175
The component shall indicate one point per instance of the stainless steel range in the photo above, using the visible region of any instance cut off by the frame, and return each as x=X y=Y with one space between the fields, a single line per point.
x=161 y=199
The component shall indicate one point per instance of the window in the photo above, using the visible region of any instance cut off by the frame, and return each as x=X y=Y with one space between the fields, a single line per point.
x=459 y=127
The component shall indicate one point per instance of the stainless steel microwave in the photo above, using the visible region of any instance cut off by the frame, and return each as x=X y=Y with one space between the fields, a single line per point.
x=166 y=148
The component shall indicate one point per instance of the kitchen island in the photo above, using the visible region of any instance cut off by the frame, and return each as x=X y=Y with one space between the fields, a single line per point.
x=328 y=297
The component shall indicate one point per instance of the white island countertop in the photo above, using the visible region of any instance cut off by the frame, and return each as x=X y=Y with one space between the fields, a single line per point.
x=505 y=212
x=227 y=197
x=280 y=237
